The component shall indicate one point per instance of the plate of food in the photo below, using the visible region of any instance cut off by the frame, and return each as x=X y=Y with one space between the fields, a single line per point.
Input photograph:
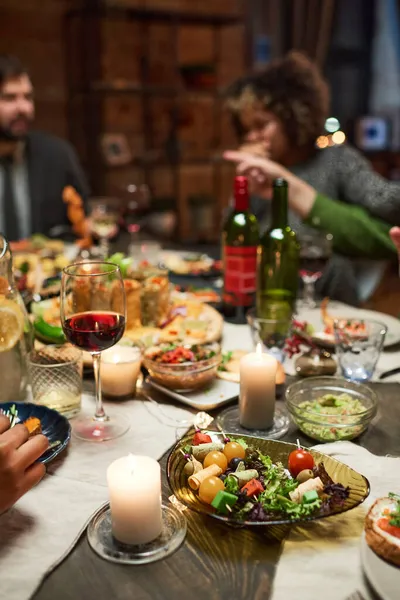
x=229 y=369
x=202 y=294
x=193 y=264
x=380 y=547
x=154 y=315
x=38 y=262
x=40 y=419
x=321 y=320
x=216 y=394
x=257 y=482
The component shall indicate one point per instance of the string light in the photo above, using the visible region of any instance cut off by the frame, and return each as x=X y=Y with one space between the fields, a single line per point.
x=338 y=137
x=322 y=141
x=332 y=124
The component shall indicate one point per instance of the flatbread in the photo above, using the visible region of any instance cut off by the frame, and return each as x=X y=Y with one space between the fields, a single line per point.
x=202 y=325
x=232 y=367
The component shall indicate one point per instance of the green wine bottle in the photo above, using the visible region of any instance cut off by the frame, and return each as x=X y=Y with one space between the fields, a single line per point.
x=278 y=261
x=240 y=240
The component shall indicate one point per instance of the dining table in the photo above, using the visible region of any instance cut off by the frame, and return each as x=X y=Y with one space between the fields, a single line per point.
x=216 y=561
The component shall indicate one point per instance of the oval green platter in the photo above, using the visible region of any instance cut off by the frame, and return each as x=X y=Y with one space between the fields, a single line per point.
x=279 y=452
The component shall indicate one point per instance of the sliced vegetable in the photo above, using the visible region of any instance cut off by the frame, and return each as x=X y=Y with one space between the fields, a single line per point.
x=245 y=476
x=48 y=333
x=201 y=451
x=201 y=438
x=253 y=488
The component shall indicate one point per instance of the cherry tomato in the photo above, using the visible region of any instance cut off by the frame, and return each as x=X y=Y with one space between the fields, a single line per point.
x=216 y=458
x=209 y=488
x=234 y=450
x=299 y=460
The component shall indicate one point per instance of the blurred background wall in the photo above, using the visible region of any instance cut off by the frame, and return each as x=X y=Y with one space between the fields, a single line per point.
x=136 y=85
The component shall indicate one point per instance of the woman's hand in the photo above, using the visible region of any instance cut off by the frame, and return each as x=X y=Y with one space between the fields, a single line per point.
x=261 y=173
x=18 y=470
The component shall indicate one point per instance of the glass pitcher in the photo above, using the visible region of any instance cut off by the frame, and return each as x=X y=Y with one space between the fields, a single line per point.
x=16 y=332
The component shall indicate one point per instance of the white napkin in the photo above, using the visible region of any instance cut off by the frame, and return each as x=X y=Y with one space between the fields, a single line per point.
x=44 y=525
x=322 y=559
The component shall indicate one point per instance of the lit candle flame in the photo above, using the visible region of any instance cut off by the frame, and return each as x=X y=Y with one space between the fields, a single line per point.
x=259 y=349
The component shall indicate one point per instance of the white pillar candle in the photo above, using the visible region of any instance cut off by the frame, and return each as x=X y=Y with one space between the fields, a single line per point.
x=257 y=390
x=120 y=368
x=134 y=485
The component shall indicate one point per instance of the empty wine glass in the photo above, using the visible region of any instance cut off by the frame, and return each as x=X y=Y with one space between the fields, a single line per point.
x=103 y=219
x=93 y=315
x=315 y=251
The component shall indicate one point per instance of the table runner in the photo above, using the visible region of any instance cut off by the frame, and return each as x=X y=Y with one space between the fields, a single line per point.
x=44 y=525
x=322 y=559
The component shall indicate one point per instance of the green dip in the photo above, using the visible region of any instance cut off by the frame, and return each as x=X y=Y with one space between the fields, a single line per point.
x=341 y=410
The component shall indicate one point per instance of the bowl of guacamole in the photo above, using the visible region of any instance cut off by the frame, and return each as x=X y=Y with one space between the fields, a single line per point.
x=328 y=409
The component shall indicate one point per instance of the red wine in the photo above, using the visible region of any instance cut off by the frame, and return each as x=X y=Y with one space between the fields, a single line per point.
x=94 y=331
x=312 y=263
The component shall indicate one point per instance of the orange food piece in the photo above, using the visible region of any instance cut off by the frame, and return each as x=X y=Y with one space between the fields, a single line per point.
x=384 y=524
x=33 y=425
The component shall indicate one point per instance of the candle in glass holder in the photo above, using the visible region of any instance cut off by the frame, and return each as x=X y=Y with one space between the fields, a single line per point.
x=134 y=485
x=120 y=368
x=257 y=390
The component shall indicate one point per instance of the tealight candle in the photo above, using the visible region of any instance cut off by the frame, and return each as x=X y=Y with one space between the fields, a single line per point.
x=120 y=368
x=134 y=485
x=257 y=390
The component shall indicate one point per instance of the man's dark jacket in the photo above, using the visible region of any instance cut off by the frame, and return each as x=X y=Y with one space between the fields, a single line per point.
x=52 y=165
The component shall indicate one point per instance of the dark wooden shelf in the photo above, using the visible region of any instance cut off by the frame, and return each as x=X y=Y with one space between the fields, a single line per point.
x=159 y=90
x=143 y=14
x=160 y=162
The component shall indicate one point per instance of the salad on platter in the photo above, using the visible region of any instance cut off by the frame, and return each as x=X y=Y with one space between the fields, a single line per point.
x=238 y=480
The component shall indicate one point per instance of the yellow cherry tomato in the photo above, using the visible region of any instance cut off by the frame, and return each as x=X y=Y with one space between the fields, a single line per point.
x=209 y=488
x=216 y=458
x=234 y=450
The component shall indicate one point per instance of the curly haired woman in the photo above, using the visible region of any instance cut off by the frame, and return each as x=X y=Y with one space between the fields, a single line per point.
x=278 y=114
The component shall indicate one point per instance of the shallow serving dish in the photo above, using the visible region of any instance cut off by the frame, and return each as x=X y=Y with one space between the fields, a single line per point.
x=326 y=427
x=187 y=375
x=278 y=451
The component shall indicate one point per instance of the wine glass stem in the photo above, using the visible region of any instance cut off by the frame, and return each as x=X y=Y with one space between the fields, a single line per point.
x=104 y=247
x=100 y=414
x=309 y=293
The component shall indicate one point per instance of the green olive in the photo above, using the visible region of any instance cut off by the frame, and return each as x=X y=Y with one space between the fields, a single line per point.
x=188 y=469
x=305 y=475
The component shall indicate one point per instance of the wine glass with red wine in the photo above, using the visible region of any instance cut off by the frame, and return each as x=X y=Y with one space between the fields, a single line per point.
x=315 y=251
x=93 y=313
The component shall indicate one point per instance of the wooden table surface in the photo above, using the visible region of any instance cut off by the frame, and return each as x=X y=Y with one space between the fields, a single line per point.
x=216 y=562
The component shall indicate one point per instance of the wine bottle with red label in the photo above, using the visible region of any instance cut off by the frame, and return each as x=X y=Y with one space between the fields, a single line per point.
x=240 y=239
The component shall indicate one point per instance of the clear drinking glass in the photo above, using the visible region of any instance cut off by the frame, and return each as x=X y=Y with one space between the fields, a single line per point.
x=270 y=333
x=358 y=346
x=315 y=251
x=93 y=315
x=55 y=374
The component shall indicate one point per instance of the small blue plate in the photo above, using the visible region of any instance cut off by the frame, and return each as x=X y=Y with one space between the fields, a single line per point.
x=54 y=426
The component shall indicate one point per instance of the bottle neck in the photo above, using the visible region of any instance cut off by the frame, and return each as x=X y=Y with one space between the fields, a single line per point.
x=280 y=208
x=241 y=203
x=241 y=194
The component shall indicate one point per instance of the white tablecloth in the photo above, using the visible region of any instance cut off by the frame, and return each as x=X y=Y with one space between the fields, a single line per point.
x=45 y=524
